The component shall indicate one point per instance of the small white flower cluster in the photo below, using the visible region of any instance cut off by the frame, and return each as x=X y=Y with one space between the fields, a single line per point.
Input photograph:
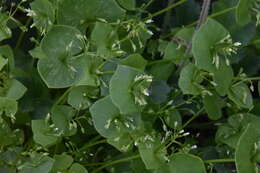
x=30 y=12
x=227 y=48
x=140 y=88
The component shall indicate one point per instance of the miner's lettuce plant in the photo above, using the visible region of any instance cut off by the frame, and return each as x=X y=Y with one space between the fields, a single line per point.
x=127 y=86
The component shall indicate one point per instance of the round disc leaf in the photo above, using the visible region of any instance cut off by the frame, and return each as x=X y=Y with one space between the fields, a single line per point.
x=61 y=45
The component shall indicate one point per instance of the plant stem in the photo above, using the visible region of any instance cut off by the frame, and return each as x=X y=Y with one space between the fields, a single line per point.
x=219 y=161
x=255 y=42
x=88 y=145
x=192 y=118
x=165 y=9
x=219 y=13
x=61 y=98
x=116 y=162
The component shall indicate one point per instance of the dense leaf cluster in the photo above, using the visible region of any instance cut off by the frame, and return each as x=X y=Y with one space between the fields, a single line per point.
x=126 y=86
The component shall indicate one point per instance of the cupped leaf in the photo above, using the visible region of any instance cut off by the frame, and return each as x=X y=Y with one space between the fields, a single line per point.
x=77 y=168
x=135 y=61
x=43 y=14
x=243 y=11
x=161 y=70
x=43 y=134
x=62 y=162
x=5 y=32
x=103 y=36
x=123 y=143
x=213 y=105
x=230 y=132
x=90 y=65
x=183 y=163
x=8 y=107
x=223 y=78
x=245 y=150
x=7 y=52
x=159 y=91
x=62 y=118
x=121 y=89
x=204 y=40
x=16 y=89
x=78 y=12
x=190 y=79
x=152 y=155
x=3 y=62
x=39 y=164
x=241 y=95
x=79 y=97
x=104 y=114
x=173 y=52
x=173 y=119
x=62 y=68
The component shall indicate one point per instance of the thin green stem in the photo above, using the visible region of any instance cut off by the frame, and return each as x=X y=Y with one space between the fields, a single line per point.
x=219 y=13
x=88 y=145
x=255 y=42
x=165 y=9
x=62 y=97
x=193 y=117
x=219 y=161
x=116 y=162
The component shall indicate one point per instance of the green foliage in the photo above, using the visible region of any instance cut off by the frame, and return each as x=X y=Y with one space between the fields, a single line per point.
x=127 y=86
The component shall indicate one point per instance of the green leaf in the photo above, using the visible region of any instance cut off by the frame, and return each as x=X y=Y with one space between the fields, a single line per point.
x=62 y=118
x=135 y=61
x=39 y=164
x=159 y=91
x=7 y=52
x=78 y=12
x=3 y=62
x=243 y=11
x=127 y=4
x=204 y=39
x=79 y=97
x=9 y=137
x=8 y=107
x=5 y=32
x=161 y=70
x=173 y=53
x=223 y=78
x=121 y=95
x=123 y=143
x=183 y=163
x=16 y=90
x=104 y=113
x=241 y=95
x=173 y=119
x=103 y=36
x=43 y=134
x=37 y=53
x=213 y=105
x=229 y=133
x=90 y=65
x=152 y=156
x=44 y=15
x=245 y=150
x=62 y=162
x=62 y=68
x=190 y=79
x=77 y=168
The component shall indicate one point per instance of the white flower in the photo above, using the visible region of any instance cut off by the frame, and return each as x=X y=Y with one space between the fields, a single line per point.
x=237 y=44
x=30 y=12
